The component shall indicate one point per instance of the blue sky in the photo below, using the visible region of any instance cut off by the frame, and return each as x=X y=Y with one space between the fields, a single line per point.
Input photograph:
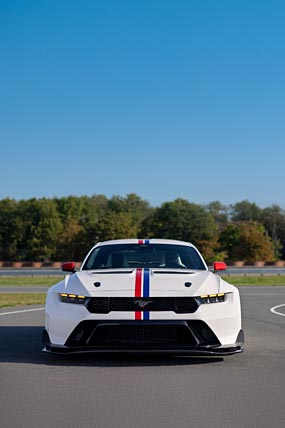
x=162 y=98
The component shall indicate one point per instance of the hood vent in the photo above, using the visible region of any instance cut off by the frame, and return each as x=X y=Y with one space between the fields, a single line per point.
x=172 y=272
x=111 y=272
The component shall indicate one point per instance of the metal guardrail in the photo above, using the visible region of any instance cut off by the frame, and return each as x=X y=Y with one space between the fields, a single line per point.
x=231 y=271
x=270 y=271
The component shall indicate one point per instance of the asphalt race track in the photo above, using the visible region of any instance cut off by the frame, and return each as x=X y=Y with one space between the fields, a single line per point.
x=246 y=390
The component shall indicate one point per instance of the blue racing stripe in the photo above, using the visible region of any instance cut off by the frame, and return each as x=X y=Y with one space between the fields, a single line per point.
x=146 y=281
x=146 y=241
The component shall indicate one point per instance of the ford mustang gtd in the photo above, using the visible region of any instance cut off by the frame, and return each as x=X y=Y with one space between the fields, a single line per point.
x=143 y=295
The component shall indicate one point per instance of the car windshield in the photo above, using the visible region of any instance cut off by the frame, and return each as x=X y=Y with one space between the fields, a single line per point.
x=167 y=256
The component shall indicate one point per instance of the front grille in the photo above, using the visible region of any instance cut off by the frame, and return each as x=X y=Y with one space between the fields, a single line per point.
x=149 y=334
x=140 y=334
x=179 y=305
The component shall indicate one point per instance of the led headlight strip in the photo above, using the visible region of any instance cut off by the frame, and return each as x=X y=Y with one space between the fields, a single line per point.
x=212 y=298
x=72 y=298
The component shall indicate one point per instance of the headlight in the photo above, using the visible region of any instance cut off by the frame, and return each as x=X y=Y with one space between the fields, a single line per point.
x=212 y=298
x=71 y=298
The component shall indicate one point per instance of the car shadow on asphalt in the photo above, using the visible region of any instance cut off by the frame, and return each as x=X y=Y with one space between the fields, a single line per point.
x=22 y=345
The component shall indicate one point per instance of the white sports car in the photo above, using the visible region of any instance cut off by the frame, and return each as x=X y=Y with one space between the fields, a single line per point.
x=143 y=295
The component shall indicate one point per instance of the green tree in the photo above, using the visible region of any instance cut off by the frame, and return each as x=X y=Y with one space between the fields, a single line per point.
x=246 y=241
x=43 y=228
x=183 y=220
x=115 y=226
x=138 y=208
x=219 y=212
x=273 y=219
x=245 y=211
x=11 y=230
x=80 y=217
x=68 y=242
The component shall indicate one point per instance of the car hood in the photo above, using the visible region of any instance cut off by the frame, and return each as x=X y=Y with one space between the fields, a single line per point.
x=123 y=283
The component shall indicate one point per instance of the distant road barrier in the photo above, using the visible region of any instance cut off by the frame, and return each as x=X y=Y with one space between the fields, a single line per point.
x=254 y=271
x=231 y=271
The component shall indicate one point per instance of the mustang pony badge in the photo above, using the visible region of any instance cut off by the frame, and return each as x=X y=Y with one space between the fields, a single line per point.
x=142 y=303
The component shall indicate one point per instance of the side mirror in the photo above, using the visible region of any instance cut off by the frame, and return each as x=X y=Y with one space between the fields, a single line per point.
x=219 y=266
x=68 y=267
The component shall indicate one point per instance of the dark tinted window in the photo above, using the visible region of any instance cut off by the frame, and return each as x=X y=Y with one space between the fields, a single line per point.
x=149 y=256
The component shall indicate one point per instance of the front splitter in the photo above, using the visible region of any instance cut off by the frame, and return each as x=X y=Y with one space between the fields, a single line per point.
x=201 y=351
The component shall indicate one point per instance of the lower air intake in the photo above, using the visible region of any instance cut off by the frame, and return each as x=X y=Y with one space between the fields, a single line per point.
x=141 y=335
x=120 y=334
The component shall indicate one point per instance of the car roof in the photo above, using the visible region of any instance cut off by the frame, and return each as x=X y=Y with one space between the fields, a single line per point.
x=149 y=241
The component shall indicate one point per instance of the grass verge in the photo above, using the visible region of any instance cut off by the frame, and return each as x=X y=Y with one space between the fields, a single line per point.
x=29 y=281
x=21 y=299
x=255 y=280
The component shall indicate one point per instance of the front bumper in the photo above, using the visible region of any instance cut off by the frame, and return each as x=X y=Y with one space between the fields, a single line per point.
x=191 y=337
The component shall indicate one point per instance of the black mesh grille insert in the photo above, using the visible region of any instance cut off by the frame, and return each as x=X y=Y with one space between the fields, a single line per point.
x=179 y=305
x=141 y=335
x=138 y=334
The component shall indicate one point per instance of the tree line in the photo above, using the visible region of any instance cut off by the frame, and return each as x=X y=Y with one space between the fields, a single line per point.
x=65 y=228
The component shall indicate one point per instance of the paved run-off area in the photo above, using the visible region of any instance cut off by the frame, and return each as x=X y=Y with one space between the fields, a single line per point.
x=245 y=390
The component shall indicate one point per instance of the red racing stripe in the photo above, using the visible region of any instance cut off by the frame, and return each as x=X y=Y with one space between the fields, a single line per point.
x=138 y=290
x=140 y=241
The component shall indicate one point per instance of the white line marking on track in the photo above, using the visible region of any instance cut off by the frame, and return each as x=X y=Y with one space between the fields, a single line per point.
x=273 y=310
x=21 y=312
